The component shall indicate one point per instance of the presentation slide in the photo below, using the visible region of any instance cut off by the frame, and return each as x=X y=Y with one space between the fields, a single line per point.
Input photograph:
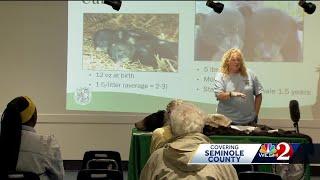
x=141 y=57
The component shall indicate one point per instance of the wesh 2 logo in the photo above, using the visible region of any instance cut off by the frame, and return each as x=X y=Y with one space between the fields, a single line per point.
x=281 y=151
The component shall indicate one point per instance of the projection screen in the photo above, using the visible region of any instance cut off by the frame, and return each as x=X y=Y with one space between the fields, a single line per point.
x=150 y=52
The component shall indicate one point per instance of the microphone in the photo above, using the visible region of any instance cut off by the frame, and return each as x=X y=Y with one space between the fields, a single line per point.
x=294 y=113
x=294 y=110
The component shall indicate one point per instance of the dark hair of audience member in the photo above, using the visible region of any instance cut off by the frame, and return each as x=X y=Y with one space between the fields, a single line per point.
x=10 y=137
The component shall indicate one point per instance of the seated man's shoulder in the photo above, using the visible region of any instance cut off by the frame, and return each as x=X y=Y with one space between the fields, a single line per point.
x=165 y=132
x=160 y=137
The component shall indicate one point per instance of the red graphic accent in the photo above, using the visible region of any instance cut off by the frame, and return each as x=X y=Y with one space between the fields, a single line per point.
x=284 y=151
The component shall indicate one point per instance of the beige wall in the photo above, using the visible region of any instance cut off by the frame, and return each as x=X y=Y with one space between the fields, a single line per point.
x=33 y=61
x=75 y=139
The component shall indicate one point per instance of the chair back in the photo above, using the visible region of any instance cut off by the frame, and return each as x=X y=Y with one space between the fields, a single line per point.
x=253 y=175
x=102 y=164
x=101 y=160
x=23 y=176
x=99 y=174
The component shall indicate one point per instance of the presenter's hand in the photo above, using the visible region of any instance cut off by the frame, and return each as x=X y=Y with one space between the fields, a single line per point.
x=238 y=94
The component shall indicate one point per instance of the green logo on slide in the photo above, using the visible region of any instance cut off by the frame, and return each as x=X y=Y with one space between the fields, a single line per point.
x=82 y=96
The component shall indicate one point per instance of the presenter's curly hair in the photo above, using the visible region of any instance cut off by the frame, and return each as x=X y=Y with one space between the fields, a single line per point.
x=226 y=58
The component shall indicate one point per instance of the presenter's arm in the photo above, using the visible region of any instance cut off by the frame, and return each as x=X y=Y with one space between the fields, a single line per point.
x=223 y=96
x=257 y=102
x=220 y=91
x=228 y=95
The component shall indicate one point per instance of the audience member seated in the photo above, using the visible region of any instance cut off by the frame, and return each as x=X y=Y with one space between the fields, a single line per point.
x=171 y=161
x=162 y=135
x=22 y=149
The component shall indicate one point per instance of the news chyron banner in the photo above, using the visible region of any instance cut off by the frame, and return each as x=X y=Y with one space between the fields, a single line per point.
x=267 y=153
